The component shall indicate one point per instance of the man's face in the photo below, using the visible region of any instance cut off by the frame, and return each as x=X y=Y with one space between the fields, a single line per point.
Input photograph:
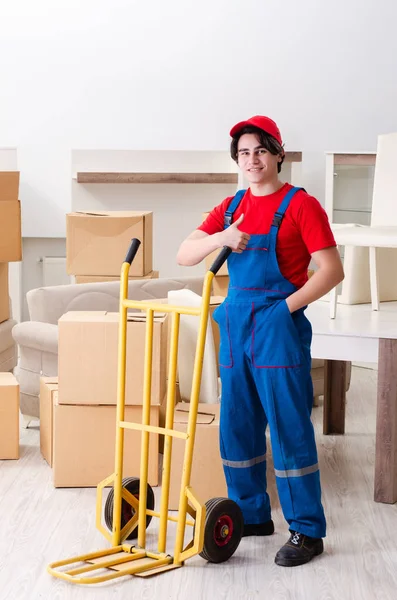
x=257 y=163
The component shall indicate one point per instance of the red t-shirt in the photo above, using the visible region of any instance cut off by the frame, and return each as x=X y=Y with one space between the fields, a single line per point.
x=304 y=229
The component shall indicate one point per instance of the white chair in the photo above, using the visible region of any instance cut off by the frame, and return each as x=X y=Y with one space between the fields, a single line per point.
x=381 y=236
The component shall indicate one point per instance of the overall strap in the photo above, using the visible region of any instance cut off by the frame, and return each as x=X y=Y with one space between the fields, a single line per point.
x=280 y=212
x=228 y=218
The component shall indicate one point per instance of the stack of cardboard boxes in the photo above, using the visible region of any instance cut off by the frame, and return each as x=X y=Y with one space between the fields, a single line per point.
x=97 y=243
x=10 y=251
x=78 y=409
x=10 y=233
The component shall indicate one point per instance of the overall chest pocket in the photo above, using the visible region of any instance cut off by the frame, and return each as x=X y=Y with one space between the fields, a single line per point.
x=275 y=342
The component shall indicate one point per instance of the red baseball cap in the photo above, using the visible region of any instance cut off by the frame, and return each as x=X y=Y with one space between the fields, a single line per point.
x=264 y=123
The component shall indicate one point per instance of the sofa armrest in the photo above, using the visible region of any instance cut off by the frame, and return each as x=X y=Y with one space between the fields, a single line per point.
x=40 y=336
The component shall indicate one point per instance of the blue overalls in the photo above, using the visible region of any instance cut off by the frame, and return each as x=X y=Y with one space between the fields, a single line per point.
x=265 y=373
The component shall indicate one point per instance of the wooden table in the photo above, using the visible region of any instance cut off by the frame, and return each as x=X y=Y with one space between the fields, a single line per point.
x=362 y=335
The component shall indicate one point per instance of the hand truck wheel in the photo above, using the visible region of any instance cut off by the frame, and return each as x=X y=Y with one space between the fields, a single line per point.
x=131 y=484
x=223 y=530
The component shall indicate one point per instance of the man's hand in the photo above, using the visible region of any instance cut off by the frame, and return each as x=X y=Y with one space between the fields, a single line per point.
x=234 y=238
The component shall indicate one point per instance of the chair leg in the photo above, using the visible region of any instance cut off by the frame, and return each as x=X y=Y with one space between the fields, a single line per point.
x=374 y=279
x=333 y=299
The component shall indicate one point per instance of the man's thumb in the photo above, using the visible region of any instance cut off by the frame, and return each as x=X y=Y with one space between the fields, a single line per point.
x=239 y=220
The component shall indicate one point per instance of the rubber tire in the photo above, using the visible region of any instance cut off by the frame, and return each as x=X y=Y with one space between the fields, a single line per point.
x=132 y=485
x=216 y=508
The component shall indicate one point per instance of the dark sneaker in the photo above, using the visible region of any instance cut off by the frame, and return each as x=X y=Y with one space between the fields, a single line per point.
x=258 y=529
x=299 y=550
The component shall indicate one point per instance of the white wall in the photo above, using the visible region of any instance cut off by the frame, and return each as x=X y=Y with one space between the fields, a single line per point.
x=177 y=74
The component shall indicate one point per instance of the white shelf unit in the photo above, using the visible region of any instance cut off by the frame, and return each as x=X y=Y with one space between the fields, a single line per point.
x=349 y=182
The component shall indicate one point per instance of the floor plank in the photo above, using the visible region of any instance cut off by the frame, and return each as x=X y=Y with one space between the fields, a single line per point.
x=40 y=524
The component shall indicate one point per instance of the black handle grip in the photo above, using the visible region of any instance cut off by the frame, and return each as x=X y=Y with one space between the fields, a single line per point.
x=220 y=259
x=132 y=250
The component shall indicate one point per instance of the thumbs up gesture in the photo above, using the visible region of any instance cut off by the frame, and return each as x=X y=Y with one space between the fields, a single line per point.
x=234 y=238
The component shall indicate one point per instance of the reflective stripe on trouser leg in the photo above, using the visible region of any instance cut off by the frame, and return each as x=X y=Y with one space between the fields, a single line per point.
x=243 y=444
x=294 y=448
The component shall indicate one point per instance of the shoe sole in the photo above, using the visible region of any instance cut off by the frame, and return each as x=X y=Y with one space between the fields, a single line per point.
x=290 y=562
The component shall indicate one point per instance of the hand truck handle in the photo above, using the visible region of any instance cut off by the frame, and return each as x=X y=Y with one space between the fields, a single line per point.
x=220 y=259
x=132 y=250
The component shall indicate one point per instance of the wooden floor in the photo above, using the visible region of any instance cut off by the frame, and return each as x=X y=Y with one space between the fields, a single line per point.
x=40 y=524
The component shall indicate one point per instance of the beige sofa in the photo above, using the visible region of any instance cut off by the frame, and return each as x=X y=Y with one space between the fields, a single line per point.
x=38 y=338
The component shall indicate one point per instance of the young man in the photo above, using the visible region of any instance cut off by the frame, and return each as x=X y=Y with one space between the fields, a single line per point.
x=274 y=231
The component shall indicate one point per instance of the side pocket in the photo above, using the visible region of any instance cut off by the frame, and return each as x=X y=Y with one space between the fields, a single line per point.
x=221 y=316
x=275 y=341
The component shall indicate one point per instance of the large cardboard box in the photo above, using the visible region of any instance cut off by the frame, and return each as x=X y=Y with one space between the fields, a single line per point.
x=207 y=478
x=84 y=445
x=88 y=357
x=48 y=395
x=97 y=242
x=4 y=293
x=220 y=285
x=9 y=185
x=9 y=416
x=101 y=278
x=10 y=231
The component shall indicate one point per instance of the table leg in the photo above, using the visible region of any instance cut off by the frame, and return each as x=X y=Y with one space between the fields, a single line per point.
x=374 y=279
x=334 y=396
x=333 y=300
x=386 y=424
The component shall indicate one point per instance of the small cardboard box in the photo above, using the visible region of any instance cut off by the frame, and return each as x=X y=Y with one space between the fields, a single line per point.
x=9 y=185
x=9 y=416
x=4 y=293
x=207 y=477
x=101 y=278
x=84 y=445
x=220 y=285
x=10 y=231
x=88 y=357
x=97 y=242
x=48 y=394
x=211 y=257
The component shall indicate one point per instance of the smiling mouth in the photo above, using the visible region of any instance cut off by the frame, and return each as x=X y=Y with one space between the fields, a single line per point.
x=255 y=170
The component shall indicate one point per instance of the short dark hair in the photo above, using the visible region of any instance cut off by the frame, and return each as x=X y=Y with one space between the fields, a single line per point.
x=265 y=140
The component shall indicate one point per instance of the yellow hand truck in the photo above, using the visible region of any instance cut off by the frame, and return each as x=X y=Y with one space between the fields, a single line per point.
x=129 y=508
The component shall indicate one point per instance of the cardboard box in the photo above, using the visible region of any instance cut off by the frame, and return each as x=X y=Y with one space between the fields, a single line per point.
x=4 y=293
x=97 y=242
x=211 y=257
x=88 y=357
x=220 y=285
x=84 y=445
x=9 y=416
x=48 y=395
x=10 y=231
x=101 y=278
x=9 y=185
x=207 y=478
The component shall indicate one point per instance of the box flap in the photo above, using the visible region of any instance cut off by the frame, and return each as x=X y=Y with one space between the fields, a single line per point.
x=206 y=413
x=76 y=316
x=111 y=213
x=50 y=380
x=140 y=317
